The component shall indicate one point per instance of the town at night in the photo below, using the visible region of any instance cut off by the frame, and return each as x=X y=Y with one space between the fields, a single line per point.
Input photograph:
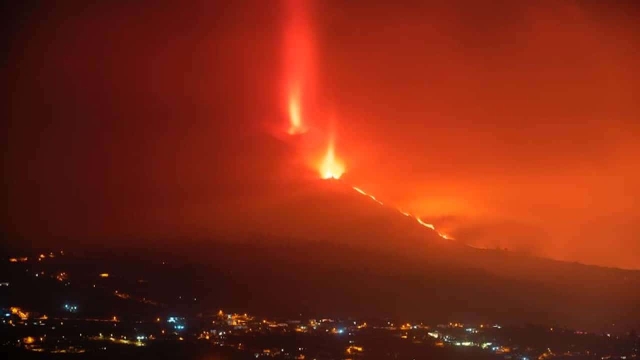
x=114 y=314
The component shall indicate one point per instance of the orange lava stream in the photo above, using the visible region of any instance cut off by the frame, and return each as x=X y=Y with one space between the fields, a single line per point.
x=427 y=225
x=333 y=168
x=368 y=195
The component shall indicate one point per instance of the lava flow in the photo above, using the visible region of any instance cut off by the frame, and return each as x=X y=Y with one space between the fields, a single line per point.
x=427 y=225
x=332 y=168
x=365 y=194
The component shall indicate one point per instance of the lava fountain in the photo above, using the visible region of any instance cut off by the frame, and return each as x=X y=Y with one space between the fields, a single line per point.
x=295 y=116
x=298 y=86
x=298 y=46
x=331 y=167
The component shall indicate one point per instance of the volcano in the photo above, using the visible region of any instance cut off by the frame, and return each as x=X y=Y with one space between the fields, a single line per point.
x=326 y=249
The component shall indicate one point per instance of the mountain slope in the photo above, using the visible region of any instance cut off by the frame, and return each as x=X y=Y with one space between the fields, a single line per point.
x=329 y=248
x=325 y=250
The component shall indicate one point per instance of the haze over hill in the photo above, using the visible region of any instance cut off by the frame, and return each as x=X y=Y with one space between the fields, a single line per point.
x=347 y=255
x=376 y=252
x=511 y=126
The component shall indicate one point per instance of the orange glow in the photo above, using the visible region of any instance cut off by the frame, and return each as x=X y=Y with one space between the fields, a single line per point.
x=367 y=195
x=427 y=225
x=22 y=314
x=430 y=226
x=359 y=190
x=298 y=48
x=295 y=116
x=104 y=275
x=376 y=200
x=331 y=167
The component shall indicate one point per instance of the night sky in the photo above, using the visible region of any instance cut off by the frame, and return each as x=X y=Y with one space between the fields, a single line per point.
x=512 y=125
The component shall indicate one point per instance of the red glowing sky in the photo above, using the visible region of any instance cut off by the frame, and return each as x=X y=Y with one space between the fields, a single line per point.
x=512 y=126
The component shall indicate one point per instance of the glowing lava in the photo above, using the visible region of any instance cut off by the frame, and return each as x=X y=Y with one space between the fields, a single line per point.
x=430 y=226
x=298 y=88
x=369 y=195
x=427 y=225
x=331 y=168
x=295 y=115
x=299 y=69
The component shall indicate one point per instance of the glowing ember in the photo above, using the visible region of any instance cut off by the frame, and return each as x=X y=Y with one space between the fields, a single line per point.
x=331 y=168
